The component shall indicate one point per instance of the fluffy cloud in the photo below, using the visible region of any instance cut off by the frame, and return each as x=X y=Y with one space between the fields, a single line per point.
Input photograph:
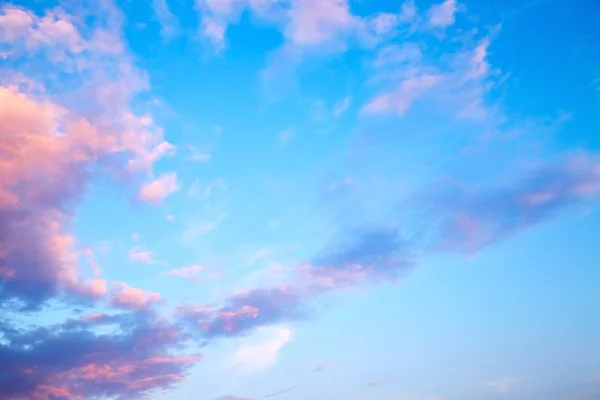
x=52 y=148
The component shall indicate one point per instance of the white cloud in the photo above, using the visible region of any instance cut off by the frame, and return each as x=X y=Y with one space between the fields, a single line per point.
x=263 y=351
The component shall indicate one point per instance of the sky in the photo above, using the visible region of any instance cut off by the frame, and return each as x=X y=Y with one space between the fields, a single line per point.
x=299 y=199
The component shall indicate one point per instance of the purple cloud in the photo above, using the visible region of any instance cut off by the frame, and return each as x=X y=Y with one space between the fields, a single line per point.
x=73 y=360
x=470 y=218
x=245 y=311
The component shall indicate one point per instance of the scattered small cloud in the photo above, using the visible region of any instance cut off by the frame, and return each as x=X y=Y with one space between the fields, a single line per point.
x=129 y=297
x=191 y=273
x=376 y=384
x=158 y=189
x=139 y=254
x=199 y=156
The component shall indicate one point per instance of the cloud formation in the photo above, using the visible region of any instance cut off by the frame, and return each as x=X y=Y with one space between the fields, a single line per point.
x=243 y=312
x=134 y=359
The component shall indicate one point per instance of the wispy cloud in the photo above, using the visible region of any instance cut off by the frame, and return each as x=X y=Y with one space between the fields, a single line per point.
x=191 y=273
x=199 y=156
x=141 y=255
x=443 y=15
x=263 y=353
x=168 y=21
x=340 y=107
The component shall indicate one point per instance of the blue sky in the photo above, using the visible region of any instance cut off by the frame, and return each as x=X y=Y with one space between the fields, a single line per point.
x=327 y=199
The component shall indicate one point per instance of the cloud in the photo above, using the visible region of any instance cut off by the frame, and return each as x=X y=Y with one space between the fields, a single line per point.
x=127 y=297
x=503 y=386
x=53 y=30
x=471 y=218
x=53 y=142
x=312 y=22
x=263 y=353
x=169 y=23
x=191 y=273
x=232 y=397
x=359 y=255
x=404 y=96
x=341 y=107
x=51 y=149
x=42 y=174
x=73 y=361
x=245 y=311
x=376 y=384
x=160 y=188
x=443 y=15
x=380 y=254
x=199 y=156
x=456 y=81
x=138 y=254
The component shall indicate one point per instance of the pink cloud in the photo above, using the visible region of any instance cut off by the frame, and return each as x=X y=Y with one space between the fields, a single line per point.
x=125 y=296
x=158 y=189
x=54 y=29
